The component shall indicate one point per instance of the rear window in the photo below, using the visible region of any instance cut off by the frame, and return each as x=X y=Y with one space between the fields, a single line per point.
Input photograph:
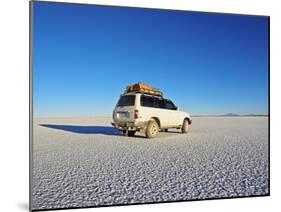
x=126 y=100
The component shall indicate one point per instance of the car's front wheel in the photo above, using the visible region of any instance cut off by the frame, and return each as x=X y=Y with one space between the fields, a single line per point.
x=125 y=132
x=152 y=129
x=185 y=126
x=131 y=133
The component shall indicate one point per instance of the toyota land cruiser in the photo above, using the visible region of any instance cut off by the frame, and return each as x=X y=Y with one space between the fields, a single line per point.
x=148 y=113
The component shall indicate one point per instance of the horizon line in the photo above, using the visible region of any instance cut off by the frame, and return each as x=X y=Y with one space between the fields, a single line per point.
x=195 y=115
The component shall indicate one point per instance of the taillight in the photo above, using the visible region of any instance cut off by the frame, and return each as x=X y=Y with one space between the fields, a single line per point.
x=136 y=114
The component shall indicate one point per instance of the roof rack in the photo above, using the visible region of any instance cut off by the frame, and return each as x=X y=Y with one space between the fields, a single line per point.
x=143 y=88
x=145 y=93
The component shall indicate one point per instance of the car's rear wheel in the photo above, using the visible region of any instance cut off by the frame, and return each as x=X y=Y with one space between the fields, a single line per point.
x=185 y=126
x=152 y=129
x=131 y=133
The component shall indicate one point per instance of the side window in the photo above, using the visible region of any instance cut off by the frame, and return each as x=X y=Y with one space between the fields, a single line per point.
x=146 y=101
x=169 y=105
x=159 y=103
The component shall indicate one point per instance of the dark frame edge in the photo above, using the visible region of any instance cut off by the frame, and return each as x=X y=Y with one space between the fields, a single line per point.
x=146 y=8
x=152 y=203
x=268 y=60
x=30 y=104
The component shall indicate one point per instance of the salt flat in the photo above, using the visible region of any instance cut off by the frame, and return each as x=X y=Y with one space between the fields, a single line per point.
x=84 y=162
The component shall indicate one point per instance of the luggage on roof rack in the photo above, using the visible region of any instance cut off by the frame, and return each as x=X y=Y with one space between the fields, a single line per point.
x=143 y=88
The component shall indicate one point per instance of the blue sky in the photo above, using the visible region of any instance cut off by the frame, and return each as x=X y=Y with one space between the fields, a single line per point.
x=84 y=56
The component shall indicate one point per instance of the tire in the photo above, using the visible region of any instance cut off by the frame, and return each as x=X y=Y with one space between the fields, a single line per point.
x=125 y=132
x=165 y=130
x=152 y=129
x=185 y=126
x=131 y=133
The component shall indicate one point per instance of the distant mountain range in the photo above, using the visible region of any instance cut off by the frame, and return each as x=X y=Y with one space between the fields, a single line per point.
x=233 y=115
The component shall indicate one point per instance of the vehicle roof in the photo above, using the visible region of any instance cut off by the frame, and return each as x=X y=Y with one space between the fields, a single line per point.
x=145 y=94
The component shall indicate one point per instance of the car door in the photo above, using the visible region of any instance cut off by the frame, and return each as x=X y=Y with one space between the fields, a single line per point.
x=162 y=113
x=153 y=107
x=174 y=115
x=124 y=110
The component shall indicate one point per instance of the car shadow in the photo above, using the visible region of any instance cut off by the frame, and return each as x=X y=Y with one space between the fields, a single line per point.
x=106 y=130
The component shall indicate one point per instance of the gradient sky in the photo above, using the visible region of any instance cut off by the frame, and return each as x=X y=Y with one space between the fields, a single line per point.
x=84 y=56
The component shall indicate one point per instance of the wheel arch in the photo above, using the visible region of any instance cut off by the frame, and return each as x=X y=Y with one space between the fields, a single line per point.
x=188 y=119
x=156 y=119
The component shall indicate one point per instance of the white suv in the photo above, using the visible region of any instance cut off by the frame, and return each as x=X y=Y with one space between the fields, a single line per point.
x=148 y=113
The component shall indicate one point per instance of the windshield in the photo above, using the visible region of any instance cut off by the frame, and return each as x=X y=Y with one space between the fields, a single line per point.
x=128 y=100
